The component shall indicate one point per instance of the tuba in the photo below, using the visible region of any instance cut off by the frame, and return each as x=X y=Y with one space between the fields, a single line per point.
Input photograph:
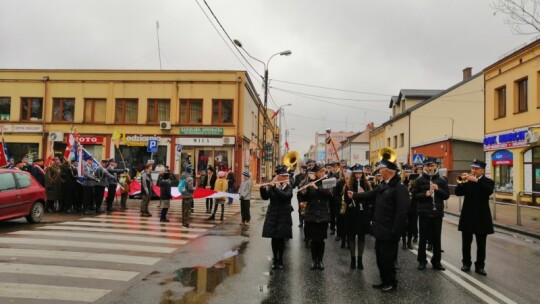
x=290 y=160
x=387 y=153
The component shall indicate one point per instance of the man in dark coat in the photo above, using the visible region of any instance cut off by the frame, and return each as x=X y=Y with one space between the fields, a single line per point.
x=475 y=216
x=389 y=219
x=37 y=171
x=430 y=191
x=278 y=221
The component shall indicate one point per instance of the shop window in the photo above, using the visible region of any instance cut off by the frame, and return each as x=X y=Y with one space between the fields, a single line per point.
x=158 y=110
x=222 y=111
x=191 y=111
x=19 y=150
x=94 y=110
x=31 y=109
x=126 y=111
x=221 y=160
x=500 y=105
x=520 y=104
x=503 y=177
x=5 y=108
x=63 y=109
x=204 y=158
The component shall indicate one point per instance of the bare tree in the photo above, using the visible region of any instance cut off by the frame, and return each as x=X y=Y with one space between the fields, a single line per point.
x=523 y=16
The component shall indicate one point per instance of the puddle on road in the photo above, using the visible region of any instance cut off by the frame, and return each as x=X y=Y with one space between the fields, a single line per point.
x=204 y=279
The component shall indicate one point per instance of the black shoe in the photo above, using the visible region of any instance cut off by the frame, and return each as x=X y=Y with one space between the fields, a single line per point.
x=466 y=268
x=221 y=218
x=124 y=208
x=164 y=220
x=480 y=271
x=301 y=225
x=353 y=262
x=88 y=212
x=359 y=263
x=438 y=266
x=320 y=265
x=389 y=288
x=70 y=211
x=409 y=245
x=211 y=218
x=343 y=243
x=111 y=209
x=429 y=247
x=314 y=265
x=378 y=286
x=333 y=231
x=421 y=266
x=99 y=210
x=146 y=214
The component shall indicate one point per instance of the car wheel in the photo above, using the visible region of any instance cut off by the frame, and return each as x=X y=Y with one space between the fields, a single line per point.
x=36 y=213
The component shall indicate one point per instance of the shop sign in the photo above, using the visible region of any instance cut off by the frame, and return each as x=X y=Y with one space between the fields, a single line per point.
x=505 y=140
x=88 y=139
x=200 y=141
x=201 y=131
x=502 y=158
x=138 y=140
x=22 y=128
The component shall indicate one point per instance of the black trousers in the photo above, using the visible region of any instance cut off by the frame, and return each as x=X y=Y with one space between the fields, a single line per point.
x=99 y=191
x=333 y=214
x=385 y=252
x=88 y=197
x=111 y=194
x=466 y=239
x=430 y=229
x=244 y=210
x=209 y=203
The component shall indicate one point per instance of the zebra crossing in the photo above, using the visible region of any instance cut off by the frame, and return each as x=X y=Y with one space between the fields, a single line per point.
x=85 y=260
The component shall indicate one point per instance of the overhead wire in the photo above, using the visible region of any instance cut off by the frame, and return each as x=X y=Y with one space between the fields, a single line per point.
x=329 y=88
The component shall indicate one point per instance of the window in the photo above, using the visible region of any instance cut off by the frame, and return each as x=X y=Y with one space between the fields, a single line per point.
x=5 y=109
x=401 y=140
x=158 y=110
x=63 y=109
x=126 y=111
x=395 y=141
x=500 y=102
x=191 y=111
x=503 y=177
x=222 y=111
x=94 y=110
x=31 y=109
x=7 y=182
x=388 y=142
x=23 y=180
x=521 y=105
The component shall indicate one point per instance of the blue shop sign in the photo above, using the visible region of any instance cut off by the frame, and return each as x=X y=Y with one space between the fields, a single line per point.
x=505 y=140
x=502 y=157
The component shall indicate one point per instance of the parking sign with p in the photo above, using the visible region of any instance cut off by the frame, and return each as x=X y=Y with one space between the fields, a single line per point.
x=152 y=146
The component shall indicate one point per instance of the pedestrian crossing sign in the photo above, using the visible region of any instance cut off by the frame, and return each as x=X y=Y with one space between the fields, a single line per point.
x=418 y=158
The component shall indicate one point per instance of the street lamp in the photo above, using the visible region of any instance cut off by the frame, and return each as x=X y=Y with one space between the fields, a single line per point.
x=283 y=53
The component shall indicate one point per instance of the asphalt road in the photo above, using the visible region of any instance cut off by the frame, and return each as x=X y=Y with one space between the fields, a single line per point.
x=121 y=258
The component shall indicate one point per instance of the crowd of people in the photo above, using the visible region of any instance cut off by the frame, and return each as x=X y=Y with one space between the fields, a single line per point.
x=387 y=203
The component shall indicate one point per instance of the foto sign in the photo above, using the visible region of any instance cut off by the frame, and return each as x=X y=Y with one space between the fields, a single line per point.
x=152 y=146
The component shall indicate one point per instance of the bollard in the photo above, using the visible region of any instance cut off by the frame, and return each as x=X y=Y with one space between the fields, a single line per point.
x=518 y=209
x=494 y=207
x=446 y=204
x=460 y=204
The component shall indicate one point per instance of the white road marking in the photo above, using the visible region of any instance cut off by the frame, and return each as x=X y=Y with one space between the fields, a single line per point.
x=143 y=220
x=48 y=292
x=123 y=231
x=72 y=272
x=101 y=236
x=100 y=245
x=150 y=227
x=80 y=256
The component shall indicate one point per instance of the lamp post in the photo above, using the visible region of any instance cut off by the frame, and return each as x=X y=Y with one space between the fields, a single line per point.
x=283 y=53
x=280 y=112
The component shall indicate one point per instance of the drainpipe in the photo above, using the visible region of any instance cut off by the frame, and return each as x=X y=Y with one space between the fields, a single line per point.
x=44 y=117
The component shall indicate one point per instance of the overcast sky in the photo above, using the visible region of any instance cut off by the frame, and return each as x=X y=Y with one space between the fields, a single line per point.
x=376 y=47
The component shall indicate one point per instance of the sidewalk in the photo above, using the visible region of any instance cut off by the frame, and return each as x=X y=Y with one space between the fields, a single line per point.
x=505 y=216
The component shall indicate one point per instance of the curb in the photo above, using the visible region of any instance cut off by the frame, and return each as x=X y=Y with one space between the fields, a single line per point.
x=506 y=227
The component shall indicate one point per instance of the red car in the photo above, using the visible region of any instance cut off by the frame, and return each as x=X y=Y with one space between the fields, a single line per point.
x=20 y=195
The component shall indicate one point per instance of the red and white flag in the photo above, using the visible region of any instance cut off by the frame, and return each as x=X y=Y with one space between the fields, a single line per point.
x=275 y=114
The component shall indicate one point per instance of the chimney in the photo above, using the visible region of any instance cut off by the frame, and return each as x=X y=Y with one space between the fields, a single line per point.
x=370 y=126
x=467 y=73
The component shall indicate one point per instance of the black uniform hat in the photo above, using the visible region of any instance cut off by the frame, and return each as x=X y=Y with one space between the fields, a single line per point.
x=328 y=165
x=387 y=164
x=406 y=167
x=281 y=170
x=367 y=167
x=303 y=167
x=316 y=167
x=335 y=164
x=430 y=160
x=310 y=162
x=357 y=168
x=104 y=161
x=478 y=164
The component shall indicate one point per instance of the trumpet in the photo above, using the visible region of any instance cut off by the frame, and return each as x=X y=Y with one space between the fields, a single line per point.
x=309 y=183
x=461 y=179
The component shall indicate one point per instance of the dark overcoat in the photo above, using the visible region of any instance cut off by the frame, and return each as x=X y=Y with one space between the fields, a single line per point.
x=476 y=215
x=318 y=204
x=425 y=203
x=357 y=219
x=278 y=221
x=391 y=206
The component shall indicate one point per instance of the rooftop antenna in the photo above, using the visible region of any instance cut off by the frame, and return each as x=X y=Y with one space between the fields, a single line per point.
x=159 y=49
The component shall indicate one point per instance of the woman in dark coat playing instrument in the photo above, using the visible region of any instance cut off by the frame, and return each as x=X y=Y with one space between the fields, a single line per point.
x=278 y=221
x=357 y=216
x=317 y=215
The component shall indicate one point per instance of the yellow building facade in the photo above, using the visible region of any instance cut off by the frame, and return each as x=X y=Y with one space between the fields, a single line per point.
x=208 y=118
x=512 y=123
